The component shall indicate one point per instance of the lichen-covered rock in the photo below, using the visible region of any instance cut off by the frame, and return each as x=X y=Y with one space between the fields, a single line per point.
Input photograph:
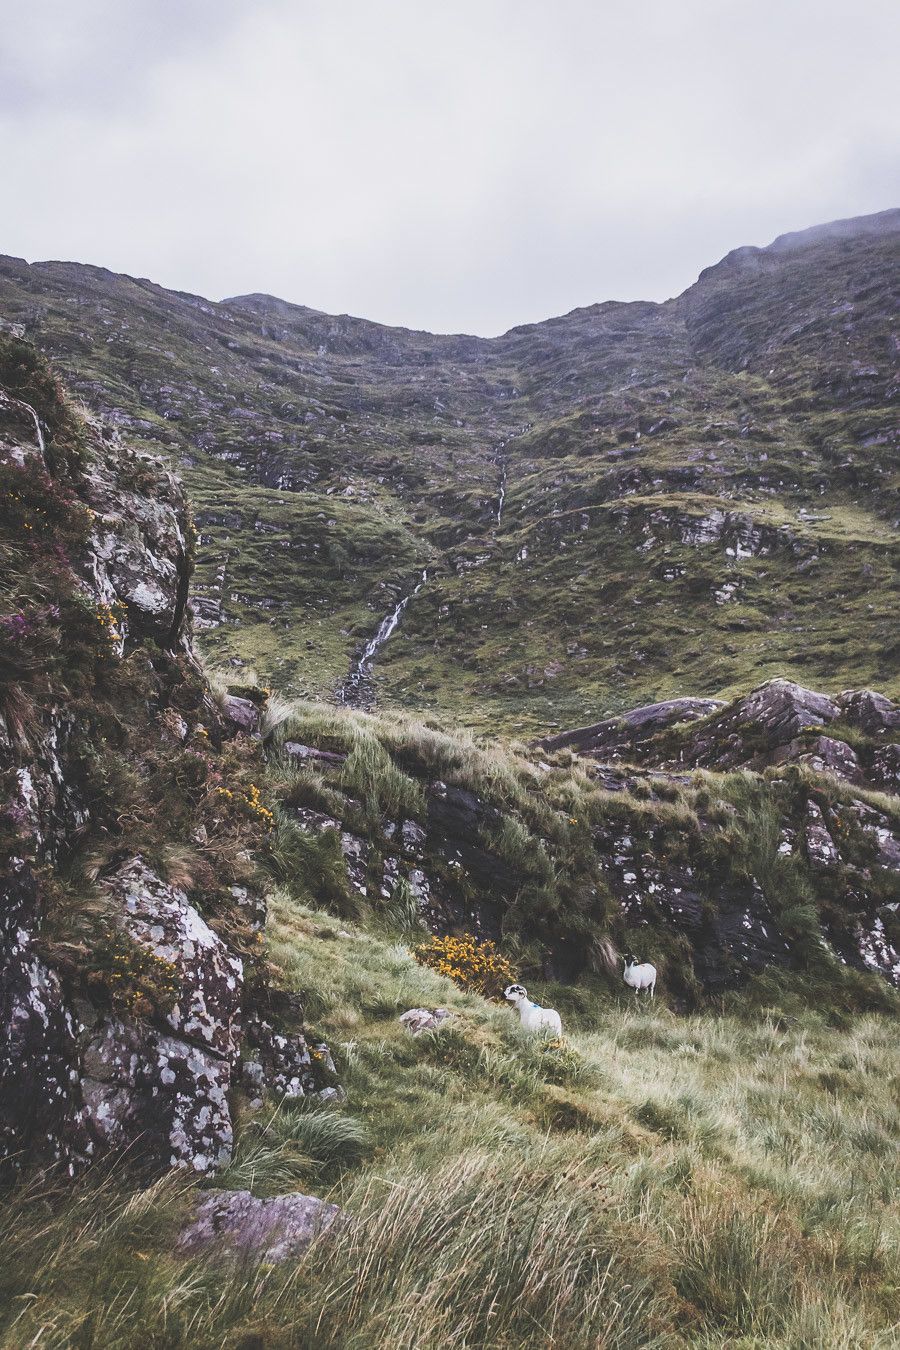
x=876 y=950
x=417 y=1020
x=156 y=916
x=139 y=546
x=869 y=710
x=824 y=754
x=885 y=769
x=269 y=1230
x=281 y=1064
x=161 y=1097
x=129 y=1036
x=820 y=847
x=41 y=1114
x=356 y=853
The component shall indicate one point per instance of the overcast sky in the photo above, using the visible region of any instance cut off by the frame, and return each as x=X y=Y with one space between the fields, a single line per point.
x=458 y=165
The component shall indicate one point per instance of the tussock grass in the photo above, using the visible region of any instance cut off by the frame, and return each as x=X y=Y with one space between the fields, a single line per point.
x=651 y=1181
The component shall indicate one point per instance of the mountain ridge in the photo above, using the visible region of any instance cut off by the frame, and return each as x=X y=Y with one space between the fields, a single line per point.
x=757 y=404
x=874 y=223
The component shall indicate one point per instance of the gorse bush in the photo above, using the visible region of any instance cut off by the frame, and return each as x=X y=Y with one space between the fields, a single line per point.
x=137 y=981
x=473 y=965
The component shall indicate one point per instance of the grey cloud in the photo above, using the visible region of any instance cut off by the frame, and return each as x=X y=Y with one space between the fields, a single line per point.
x=456 y=167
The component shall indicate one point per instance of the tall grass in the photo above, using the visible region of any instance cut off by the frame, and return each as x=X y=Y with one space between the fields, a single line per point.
x=651 y=1180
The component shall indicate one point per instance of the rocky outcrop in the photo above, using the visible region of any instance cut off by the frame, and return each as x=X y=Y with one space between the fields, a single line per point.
x=121 y=1011
x=711 y=866
x=206 y=980
x=614 y=736
x=780 y=722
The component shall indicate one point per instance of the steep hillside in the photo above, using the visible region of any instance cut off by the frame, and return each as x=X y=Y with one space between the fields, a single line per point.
x=206 y=885
x=628 y=503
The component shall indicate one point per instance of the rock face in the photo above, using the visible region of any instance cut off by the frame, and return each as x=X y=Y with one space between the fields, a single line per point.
x=615 y=735
x=207 y=980
x=125 y=1031
x=40 y=1096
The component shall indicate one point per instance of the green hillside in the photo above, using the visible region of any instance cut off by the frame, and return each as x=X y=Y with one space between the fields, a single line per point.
x=697 y=495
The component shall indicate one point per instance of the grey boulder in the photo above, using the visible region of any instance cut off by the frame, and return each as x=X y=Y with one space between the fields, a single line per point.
x=271 y=1230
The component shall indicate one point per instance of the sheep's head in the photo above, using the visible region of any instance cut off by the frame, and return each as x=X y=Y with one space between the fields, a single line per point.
x=514 y=992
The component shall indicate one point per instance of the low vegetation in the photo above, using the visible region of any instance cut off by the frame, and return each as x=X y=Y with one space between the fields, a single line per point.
x=653 y=1180
x=549 y=828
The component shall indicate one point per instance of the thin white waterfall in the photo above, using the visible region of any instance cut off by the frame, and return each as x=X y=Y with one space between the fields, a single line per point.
x=361 y=670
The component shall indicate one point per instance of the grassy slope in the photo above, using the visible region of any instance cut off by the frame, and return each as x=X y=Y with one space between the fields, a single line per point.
x=654 y=1181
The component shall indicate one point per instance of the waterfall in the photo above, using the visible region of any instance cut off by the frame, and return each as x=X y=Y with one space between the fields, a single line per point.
x=20 y=402
x=354 y=688
x=502 y=498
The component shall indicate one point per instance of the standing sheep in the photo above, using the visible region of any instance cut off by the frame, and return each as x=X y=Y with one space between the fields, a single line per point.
x=533 y=1017
x=639 y=976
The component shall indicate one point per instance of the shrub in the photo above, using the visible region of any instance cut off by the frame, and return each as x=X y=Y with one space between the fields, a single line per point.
x=138 y=982
x=473 y=965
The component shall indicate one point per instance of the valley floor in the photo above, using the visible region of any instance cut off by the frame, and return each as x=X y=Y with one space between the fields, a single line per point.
x=653 y=1180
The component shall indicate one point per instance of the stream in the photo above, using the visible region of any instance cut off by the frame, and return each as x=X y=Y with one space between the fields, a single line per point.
x=502 y=498
x=20 y=403
x=357 y=688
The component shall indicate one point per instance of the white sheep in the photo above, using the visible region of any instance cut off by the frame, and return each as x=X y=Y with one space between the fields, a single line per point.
x=639 y=977
x=533 y=1017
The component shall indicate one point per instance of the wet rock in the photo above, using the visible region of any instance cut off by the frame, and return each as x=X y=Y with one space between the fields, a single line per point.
x=457 y=820
x=269 y=1230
